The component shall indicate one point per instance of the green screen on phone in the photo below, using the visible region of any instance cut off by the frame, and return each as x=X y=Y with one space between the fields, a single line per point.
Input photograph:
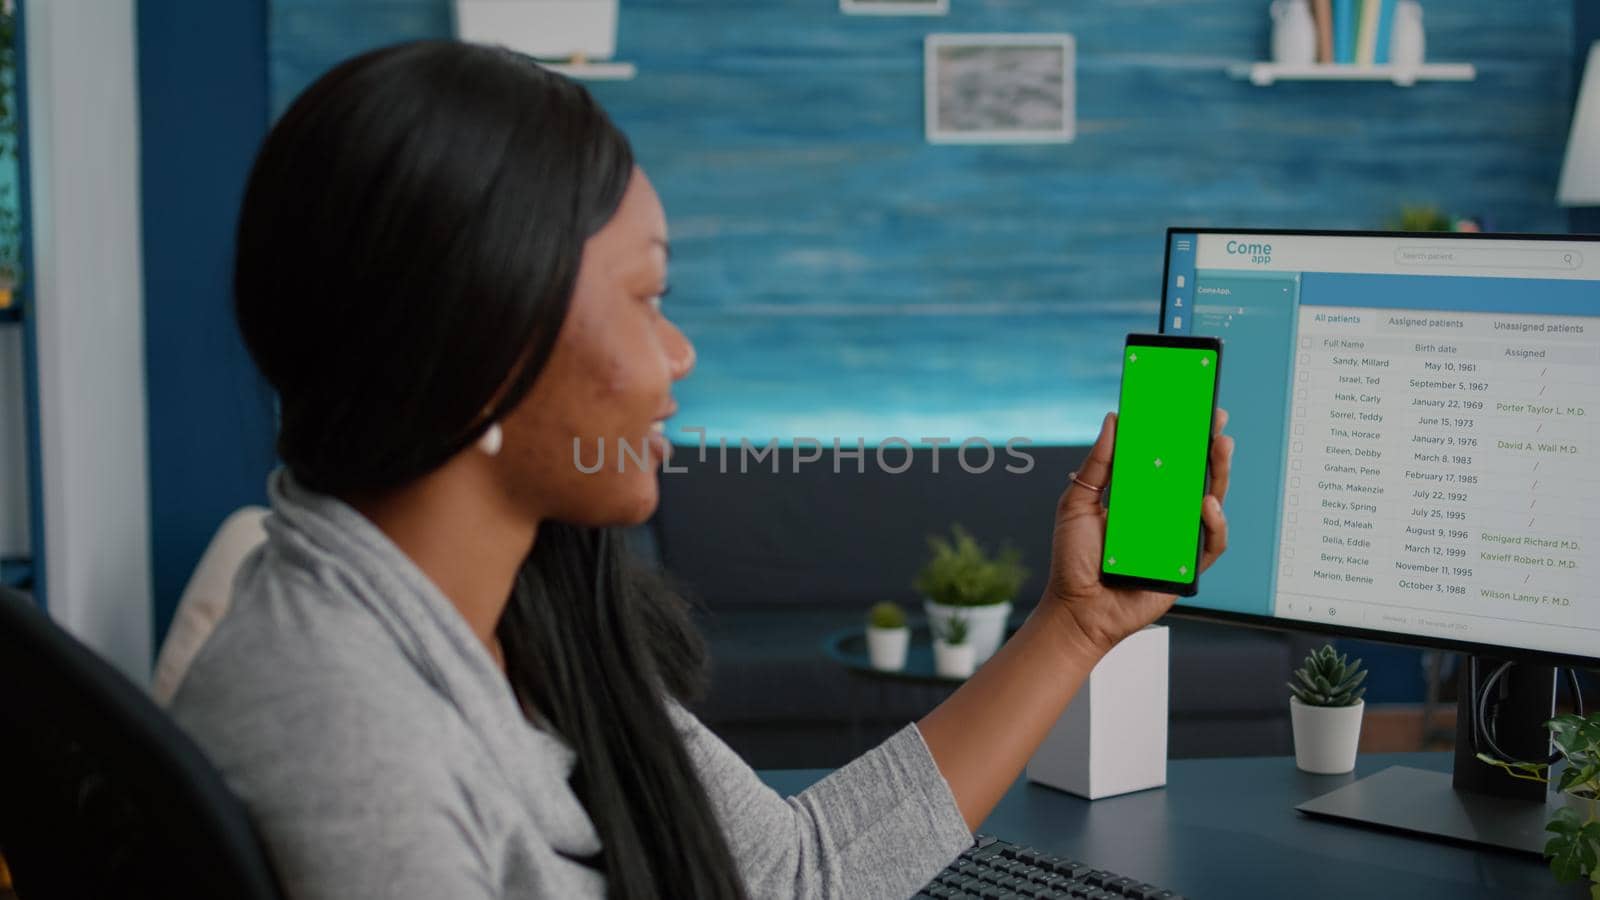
x=1159 y=462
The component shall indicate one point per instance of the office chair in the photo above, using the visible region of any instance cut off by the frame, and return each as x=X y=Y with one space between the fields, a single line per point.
x=101 y=795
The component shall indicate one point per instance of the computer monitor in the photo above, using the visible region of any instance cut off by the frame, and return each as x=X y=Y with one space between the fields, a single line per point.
x=1418 y=426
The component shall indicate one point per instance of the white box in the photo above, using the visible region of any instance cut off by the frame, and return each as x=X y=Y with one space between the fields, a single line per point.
x=542 y=29
x=1113 y=738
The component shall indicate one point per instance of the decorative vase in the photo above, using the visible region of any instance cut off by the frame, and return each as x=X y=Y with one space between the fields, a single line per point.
x=1407 y=43
x=1294 y=33
x=1326 y=737
x=986 y=625
x=954 y=660
x=887 y=647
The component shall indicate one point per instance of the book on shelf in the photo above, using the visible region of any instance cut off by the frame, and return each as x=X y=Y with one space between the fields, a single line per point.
x=1322 y=12
x=1385 y=29
x=1344 y=30
x=1367 y=33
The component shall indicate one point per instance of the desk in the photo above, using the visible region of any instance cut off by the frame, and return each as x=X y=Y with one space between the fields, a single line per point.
x=1227 y=828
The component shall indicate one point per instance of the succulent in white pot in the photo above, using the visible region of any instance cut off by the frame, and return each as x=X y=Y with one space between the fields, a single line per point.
x=1325 y=707
x=953 y=655
x=888 y=637
x=961 y=579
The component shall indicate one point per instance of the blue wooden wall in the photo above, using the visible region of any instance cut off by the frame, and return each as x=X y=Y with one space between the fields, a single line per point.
x=1586 y=30
x=843 y=278
x=202 y=112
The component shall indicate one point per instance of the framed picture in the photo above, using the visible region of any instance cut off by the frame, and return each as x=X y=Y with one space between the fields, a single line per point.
x=1000 y=88
x=895 y=7
x=543 y=29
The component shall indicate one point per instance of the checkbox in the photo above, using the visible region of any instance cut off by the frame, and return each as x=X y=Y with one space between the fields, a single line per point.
x=1295 y=465
x=1294 y=517
x=1305 y=343
x=1288 y=553
x=1294 y=499
x=1300 y=394
x=1299 y=412
x=1305 y=376
x=1299 y=428
x=1288 y=571
x=1294 y=482
x=1297 y=446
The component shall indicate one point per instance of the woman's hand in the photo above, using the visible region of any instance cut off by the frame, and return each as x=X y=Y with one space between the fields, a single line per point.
x=983 y=736
x=1092 y=612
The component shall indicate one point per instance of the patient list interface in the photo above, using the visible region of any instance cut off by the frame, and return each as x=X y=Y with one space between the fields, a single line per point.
x=1417 y=422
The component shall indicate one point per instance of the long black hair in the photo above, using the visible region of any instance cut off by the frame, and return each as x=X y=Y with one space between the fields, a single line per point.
x=407 y=251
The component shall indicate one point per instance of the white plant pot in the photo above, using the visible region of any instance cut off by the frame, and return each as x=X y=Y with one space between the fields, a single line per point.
x=954 y=660
x=887 y=647
x=1583 y=806
x=1326 y=737
x=986 y=625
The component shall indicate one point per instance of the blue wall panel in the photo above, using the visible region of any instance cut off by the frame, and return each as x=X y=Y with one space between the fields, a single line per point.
x=841 y=277
x=1585 y=31
x=203 y=110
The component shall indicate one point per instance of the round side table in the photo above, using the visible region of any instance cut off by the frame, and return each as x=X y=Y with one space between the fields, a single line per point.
x=848 y=648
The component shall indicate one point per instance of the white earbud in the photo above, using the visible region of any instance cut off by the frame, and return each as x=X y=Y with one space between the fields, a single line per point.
x=491 y=440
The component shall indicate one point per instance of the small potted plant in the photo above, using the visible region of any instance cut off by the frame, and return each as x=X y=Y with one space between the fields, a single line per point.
x=961 y=578
x=1325 y=707
x=1574 y=849
x=953 y=655
x=887 y=637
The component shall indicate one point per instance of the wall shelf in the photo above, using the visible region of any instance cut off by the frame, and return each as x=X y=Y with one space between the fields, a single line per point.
x=594 y=71
x=1265 y=74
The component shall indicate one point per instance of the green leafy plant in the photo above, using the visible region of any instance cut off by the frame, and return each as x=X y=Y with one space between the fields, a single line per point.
x=952 y=631
x=1328 y=678
x=1574 y=849
x=887 y=615
x=961 y=573
x=1422 y=218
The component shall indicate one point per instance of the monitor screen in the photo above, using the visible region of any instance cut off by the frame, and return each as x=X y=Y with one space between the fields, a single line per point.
x=1417 y=418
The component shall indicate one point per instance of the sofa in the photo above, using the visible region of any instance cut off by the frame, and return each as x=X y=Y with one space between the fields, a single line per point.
x=786 y=552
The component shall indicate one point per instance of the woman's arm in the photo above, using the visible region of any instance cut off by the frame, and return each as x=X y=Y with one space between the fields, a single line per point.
x=880 y=827
x=985 y=733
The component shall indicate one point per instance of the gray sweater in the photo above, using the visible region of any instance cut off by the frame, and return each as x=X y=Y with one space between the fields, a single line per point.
x=383 y=755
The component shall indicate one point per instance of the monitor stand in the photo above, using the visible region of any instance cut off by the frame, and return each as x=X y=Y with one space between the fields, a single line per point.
x=1480 y=803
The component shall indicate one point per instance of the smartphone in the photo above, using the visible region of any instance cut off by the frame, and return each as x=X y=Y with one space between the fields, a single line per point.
x=1160 y=462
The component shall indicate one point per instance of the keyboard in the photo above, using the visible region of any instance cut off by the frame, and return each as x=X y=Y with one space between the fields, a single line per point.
x=993 y=869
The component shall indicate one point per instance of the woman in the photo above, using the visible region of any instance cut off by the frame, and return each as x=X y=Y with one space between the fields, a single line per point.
x=440 y=677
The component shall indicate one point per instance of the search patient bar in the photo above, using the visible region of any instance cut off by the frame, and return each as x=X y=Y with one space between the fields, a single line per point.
x=1488 y=258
